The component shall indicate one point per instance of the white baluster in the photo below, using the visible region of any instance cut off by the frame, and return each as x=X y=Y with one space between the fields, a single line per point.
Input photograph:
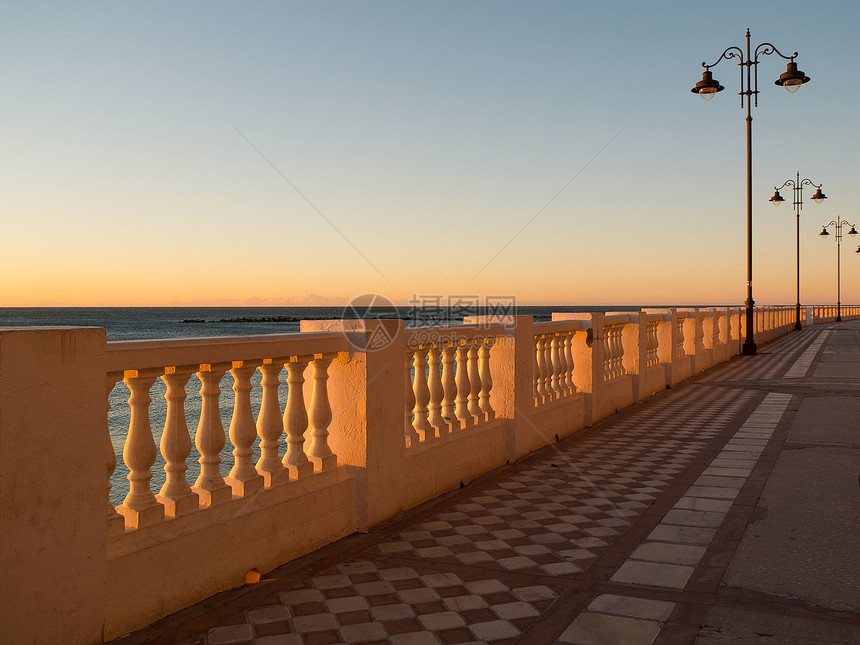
x=464 y=386
x=320 y=453
x=140 y=507
x=449 y=385
x=474 y=383
x=296 y=420
x=536 y=370
x=243 y=478
x=547 y=361
x=557 y=366
x=542 y=367
x=115 y=521
x=410 y=436
x=270 y=425
x=568 y=358
x=176 y=494
x=486 y=378
x=437 y=393
x=209 y=438
x=619 y=350
x=422 y=425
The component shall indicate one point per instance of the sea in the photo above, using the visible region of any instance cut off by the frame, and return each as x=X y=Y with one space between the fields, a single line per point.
x=138 y=323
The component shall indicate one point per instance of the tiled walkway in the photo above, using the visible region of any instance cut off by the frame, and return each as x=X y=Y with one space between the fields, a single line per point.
x=619 y=534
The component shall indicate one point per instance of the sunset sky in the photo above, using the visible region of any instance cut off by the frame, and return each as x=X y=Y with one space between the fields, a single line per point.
x=193 y=153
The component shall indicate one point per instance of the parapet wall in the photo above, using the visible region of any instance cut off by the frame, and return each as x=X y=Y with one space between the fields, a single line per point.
x=316 y=435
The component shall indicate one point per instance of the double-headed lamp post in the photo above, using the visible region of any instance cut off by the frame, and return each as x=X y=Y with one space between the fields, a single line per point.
x=824 y=233
x=797 y=185
x=791 y=80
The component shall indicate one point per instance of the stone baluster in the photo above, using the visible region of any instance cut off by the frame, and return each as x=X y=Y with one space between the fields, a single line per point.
x=474 y=381
x=209 y=438
x=486 y=378
x=296 y=419
x=411 y=437
x=700 y=333
x=437 y=393
x=542 y=367
x=449 y=385
x=547 y=361
x=140 y=507
x=270 y=426
x=679 y=338
x=243 y=478
x=606 y=340
x=421 y=392
x=619 y=350
x=176 y=495
x=568 y=359
x=320 y=453
x=558 y=366
x=651 y=351
x=463 y=386
x=115 y=521
x=536 y=370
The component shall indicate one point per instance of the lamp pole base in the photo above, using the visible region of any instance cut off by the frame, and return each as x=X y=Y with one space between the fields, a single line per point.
x=749 y=348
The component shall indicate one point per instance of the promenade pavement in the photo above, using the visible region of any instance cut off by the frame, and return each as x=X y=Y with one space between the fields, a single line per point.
x=724 y=510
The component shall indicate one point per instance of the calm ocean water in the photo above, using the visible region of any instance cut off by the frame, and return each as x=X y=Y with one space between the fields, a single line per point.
x=136 y=323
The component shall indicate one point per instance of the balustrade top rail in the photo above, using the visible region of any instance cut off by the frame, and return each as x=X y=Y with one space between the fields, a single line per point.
x=149 y=354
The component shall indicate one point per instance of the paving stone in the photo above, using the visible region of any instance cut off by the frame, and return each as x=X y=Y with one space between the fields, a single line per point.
x=494 y=630
x=442 y=620
x=632 y=607
x=512 y=610
x=685 y=554
x=683 y=517
x=363 y=632
x=342 y=605
x=653 y=574
x=279 y=639
x=701 y=504
x=535 y=592
x=712 y=492
x=392 y=612
x=486 y=586
x=600 y=629
x=415 y=638
x=465 y=603
x=314 y=623
x=442 y=580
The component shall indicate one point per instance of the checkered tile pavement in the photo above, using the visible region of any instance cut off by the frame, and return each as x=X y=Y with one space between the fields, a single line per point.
x=555 y=515
x=487 y=563
x=363 y=601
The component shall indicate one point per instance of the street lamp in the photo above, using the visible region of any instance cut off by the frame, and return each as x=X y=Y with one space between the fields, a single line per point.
x=797 y=186
x=791 y=80
x=824 y=233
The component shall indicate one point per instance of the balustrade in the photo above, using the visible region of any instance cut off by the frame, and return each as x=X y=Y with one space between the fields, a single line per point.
x=450 y=384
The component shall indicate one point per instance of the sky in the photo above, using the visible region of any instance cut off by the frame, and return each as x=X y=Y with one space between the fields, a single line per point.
x=225 y=153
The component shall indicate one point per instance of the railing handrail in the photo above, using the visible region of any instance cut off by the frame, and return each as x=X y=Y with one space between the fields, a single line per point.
x=146 y=354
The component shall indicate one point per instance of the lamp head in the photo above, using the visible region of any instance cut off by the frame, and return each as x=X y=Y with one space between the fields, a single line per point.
x=707 y=87
x=819 y=197
x=777 y=199
x=853 y=231
x=792 y=78
x=858 y=250
x=824 y=232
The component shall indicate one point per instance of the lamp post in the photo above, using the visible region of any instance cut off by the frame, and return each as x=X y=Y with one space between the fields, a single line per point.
x=791 y=80
x=797 y=185
x=824 y=233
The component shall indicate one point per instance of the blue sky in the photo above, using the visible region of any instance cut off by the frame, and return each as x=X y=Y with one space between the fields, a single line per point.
x=212 y=152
